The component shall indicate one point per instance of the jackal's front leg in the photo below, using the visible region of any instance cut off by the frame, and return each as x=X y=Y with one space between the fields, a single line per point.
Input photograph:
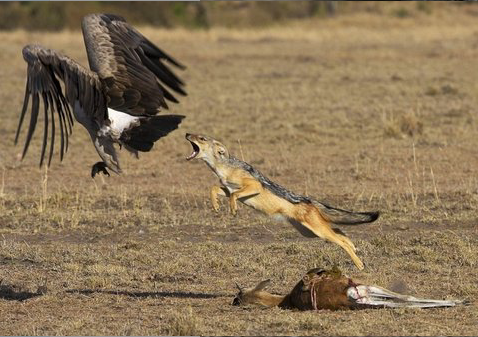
x=251 y=188
x=215 y=191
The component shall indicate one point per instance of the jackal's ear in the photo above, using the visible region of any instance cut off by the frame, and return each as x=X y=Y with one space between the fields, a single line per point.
x=221 y=149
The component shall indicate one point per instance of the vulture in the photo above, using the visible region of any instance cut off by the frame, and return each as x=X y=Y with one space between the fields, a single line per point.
x=322 y=289
x=117 y=100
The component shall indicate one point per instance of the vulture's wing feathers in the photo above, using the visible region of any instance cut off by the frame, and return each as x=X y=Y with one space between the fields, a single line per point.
x=132 y=68
x=45 y=70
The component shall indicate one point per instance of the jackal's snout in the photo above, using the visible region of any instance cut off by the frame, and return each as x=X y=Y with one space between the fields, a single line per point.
x=206 y=148
x=197 y=142
x=190 y=138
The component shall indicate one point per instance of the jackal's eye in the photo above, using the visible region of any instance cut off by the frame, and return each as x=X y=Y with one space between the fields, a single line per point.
x=202 y=139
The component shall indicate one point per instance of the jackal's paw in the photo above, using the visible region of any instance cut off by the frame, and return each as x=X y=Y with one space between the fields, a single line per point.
x=233 y=206
x=359 y=264
x=215 y=206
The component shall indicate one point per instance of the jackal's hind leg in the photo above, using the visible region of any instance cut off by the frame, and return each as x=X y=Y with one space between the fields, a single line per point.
x=215 y=191
x=323 y=229
x=349 y=247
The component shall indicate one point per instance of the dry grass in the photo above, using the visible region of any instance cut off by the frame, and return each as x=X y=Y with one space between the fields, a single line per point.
x=309 y=104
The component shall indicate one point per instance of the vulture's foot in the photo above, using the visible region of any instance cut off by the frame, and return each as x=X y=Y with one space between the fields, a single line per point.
x=99 y=167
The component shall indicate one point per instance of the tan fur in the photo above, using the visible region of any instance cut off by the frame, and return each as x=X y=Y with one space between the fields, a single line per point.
x=258 y=296
x=329 y=290
x=264 y=298
x=239 y=184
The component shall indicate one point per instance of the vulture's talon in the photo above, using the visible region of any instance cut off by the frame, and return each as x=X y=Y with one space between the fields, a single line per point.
x=99 y=167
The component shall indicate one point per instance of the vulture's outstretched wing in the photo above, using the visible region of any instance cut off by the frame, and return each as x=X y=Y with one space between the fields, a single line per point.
x=132 y=68
x=45 y=68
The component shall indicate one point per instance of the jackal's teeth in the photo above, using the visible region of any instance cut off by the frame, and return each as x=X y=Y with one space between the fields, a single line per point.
x=194 y=153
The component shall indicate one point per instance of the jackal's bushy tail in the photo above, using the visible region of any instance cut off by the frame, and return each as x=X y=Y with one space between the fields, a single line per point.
x=143 y=136
x=343 y=217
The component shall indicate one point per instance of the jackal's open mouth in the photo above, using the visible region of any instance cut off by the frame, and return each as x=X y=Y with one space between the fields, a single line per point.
x=195 y=151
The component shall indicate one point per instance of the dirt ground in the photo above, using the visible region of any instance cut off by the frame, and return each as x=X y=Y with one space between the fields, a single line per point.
x=364 y=112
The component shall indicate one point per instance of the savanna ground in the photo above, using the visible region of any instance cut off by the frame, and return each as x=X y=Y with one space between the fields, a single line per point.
x=362 y=111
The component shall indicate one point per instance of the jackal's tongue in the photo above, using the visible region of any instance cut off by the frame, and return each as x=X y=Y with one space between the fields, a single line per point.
x=194 y=153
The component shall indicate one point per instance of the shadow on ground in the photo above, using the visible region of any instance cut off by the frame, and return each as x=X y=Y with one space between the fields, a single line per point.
x=10 y=293
x=175 y=294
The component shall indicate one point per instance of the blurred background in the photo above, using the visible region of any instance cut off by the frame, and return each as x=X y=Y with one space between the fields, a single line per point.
x=39 y=15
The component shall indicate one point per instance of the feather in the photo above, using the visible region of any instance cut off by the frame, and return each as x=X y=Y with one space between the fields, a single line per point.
x=24 y=109
x=148 y=130
x=45 y=69
x=33 y=122
x=125 y=60
x=45 y=130
x=169 y=79
x=63 y=131
x=154 y=51
x=52 y=142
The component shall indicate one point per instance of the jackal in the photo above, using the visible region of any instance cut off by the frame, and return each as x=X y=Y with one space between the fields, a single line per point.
x=240 y=181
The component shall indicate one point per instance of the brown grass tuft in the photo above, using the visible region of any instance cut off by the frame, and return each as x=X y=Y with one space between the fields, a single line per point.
x=184 y=323
x=407 y=124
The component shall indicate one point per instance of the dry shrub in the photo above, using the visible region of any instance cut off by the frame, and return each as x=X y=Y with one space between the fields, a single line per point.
x=407 y=125
x=410 y=124
x=446 y=89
